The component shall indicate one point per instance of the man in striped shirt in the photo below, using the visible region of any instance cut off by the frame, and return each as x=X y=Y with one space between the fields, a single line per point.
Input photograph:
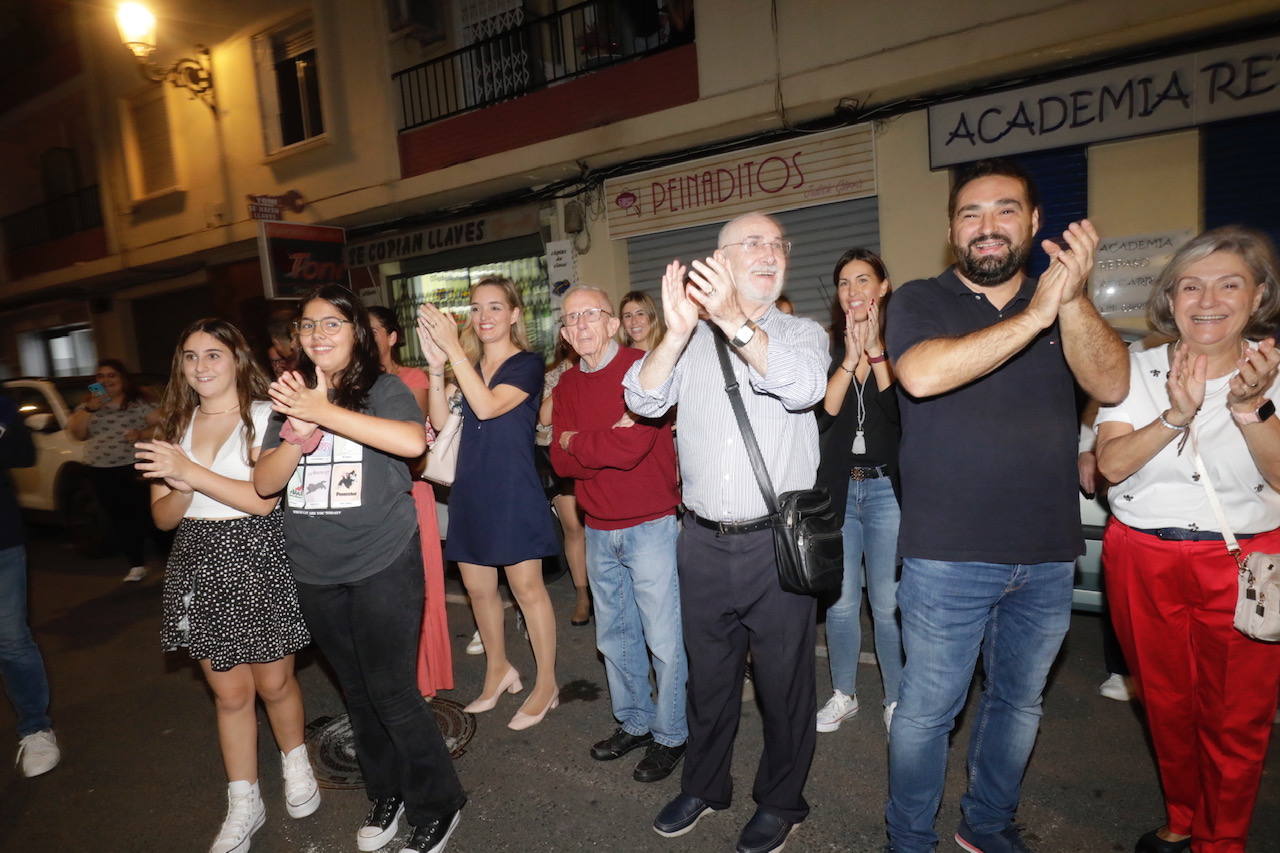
x=729 y=591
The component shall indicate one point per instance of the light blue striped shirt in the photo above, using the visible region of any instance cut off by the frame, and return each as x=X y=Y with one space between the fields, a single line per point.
x=718 y=482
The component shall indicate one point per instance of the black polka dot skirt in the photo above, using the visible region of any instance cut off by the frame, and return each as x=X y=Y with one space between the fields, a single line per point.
x=229 y=596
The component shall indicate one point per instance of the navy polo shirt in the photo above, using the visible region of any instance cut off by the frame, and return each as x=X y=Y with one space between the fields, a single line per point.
x=988 y=469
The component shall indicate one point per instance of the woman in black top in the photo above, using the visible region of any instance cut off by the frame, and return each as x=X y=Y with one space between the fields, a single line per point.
x=859 y=465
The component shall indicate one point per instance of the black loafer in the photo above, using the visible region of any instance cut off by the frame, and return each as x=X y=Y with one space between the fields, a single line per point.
x=658 y=762
x=765 y=832
x=619 y=744
x=680 y=815
x=432 y=836
x=379 y=826
x=1152 y=843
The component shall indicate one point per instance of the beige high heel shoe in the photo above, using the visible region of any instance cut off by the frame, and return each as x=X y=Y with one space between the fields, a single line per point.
x=522 y=721
x=510 y=683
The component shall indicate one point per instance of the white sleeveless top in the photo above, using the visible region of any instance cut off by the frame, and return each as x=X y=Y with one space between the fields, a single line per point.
x=231 y=461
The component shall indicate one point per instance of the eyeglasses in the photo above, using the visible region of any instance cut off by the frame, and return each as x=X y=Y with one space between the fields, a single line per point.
x=591 y=315
x=330 y=325
x=754 y=244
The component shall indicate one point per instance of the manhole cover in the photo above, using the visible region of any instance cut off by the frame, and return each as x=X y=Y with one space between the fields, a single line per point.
x=333 y=751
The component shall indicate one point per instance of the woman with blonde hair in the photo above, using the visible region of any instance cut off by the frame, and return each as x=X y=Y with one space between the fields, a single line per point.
x=1209 y=691
x=229 y=598
x=498 y=511
x=642 y=326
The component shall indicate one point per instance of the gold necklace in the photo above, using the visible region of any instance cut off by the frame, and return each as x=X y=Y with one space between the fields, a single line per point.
x=223 y=412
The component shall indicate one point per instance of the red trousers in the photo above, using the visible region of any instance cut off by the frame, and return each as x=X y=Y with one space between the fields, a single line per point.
x=1209 y=692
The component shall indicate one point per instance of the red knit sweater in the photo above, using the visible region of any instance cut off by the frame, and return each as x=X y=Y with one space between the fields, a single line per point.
x=625 y=475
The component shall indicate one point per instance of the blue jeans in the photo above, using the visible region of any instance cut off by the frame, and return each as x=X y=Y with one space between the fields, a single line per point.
x=1017 y=615
x=870 y=530
x=20 y=662
x=636 y=594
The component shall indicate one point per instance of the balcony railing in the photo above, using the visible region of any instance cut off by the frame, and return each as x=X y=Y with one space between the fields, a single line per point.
x=56 y=218
x=538 y=53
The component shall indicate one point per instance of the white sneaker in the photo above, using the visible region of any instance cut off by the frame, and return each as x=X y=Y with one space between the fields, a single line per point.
x=839 y=708
x=135 y=574
x=476 y=646
x=245 y=816
x=38 y=753
x=888 y=715
x=301 y=793
x=1116 y=687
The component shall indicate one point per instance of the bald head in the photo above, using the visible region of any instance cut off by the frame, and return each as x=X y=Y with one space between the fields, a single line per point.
x=738 y=227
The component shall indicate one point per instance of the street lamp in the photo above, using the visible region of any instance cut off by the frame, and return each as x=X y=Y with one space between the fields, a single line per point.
x=137 y=28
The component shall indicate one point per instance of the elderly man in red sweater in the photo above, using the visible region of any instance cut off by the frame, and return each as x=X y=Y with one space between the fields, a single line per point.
x=625 y=473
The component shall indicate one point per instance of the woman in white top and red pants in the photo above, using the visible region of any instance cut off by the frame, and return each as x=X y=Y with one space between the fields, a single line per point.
x=1209 y=692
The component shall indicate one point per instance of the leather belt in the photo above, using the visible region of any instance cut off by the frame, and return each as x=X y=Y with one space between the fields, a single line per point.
x=1185 y=534
x=726 y=528
x=858 y=473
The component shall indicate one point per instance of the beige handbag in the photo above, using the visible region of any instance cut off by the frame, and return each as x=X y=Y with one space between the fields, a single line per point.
x=442 y=458
x=1258 y=584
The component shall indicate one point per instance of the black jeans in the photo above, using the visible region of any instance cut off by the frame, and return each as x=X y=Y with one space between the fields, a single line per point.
x=124 y=499
x=369 y=632
x=731 y=602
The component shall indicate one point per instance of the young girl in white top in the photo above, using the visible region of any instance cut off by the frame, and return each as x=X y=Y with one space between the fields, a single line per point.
x=229 y=598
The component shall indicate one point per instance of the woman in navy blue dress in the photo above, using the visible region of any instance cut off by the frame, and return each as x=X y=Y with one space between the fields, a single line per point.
x=498 y=513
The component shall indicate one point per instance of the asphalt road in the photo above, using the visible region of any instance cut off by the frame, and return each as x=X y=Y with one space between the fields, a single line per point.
x=141 y=770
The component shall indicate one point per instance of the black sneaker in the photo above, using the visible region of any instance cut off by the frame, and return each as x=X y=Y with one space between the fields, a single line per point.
x=432 y=836
x=619 y=744
x=658 y=762
x=681 y=815
x=379 y=826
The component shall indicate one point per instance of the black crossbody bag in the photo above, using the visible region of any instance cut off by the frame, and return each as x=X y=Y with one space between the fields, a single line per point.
x=807 y=539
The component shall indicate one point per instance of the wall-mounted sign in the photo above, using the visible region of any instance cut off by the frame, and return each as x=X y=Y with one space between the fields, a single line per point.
x=297 y=258
x=1126 y=269
x=562 y=272
x=800 y=172
x=1164 y=94
x=442 y=237
x=272 y=207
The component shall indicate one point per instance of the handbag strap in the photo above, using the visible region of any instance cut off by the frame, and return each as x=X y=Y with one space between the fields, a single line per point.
x=1228 y=537
x=744 y=425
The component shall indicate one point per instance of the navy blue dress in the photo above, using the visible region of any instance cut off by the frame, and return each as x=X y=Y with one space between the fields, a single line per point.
x=498 y=513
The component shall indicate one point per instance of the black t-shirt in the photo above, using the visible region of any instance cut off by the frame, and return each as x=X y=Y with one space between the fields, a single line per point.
x=880 y=430
x=348 y=511
x=988 y=469
x=16 y=451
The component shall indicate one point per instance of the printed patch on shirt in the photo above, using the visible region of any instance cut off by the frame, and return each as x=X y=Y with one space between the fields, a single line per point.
x=316 y=487
x=295 y=493
x=346 y=450
x=348 y=480
x=323 y=453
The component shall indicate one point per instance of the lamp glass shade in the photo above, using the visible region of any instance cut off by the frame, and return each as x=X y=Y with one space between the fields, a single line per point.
x=137 y=28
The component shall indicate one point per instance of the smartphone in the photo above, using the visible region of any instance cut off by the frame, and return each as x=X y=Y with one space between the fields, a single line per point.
x=97 y=389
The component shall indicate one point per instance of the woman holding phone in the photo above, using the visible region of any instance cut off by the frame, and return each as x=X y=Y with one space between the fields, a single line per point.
x=351 y=532
x=228 y=596
x=112 y=417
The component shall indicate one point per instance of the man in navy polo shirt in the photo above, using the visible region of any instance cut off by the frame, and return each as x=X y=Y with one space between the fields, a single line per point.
x=985 y=358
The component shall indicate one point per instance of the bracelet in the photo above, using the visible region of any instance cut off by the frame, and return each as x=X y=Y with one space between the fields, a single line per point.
x=1165 y=423
x=845 y=369
x=441 y=373
x=875 y=359
x=306 y=445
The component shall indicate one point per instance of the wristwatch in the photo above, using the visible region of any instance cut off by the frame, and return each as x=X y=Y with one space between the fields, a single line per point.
x=1262 y=413
x=745 y=333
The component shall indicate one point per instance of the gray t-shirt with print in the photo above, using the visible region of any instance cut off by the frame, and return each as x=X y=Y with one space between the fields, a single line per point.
x=348 y=511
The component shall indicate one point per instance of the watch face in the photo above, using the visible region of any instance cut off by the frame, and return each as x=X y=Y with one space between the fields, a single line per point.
x=1266 y=410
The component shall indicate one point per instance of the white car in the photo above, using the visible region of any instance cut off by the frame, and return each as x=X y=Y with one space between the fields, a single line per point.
x=57 y=486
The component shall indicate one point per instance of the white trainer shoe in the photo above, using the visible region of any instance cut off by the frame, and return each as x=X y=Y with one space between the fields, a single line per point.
x=301 y=793
x=476 y=646
x=245 y=816
x=135 y=574
x=38 y=753
x=839 y=708
x=888 y=716
x=1116 y=687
